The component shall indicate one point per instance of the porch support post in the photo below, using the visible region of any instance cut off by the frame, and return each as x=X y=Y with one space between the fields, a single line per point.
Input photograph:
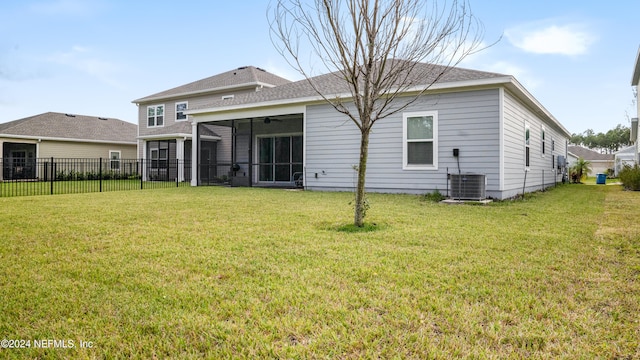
x=180 y=158
x=251 y=153
x=195 y=145
x=233 y=145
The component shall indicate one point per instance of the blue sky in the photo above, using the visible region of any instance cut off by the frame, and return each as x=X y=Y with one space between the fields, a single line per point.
x=93 y=57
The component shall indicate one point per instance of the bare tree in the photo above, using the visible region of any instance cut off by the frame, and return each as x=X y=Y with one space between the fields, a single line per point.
x=379 y=49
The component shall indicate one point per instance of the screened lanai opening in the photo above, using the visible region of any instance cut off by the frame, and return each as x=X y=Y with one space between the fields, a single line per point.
x=262 y=151
x=18 y=161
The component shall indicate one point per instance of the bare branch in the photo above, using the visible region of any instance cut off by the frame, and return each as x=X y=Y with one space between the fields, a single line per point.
x=378 y=49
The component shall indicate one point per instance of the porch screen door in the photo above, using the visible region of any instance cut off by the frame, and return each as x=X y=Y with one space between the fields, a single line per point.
x=279 y=158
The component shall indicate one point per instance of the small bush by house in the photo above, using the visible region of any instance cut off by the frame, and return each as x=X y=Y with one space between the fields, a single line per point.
x=630 y=177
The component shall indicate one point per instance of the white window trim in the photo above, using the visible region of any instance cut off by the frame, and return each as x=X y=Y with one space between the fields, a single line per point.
x=527 y=128
x=405 y=165
x=111 y=161
x=164 y=115
x=543 y=142
x=176 y=108
x=228 y=97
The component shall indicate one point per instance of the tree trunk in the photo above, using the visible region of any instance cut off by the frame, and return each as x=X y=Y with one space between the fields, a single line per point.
x=360 y=207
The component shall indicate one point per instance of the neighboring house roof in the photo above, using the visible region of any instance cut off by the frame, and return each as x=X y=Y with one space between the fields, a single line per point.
x=242 y=77
x=68 y=127
x=333 y=85
x=635 y=78
x=628 y=150
x=589 y=154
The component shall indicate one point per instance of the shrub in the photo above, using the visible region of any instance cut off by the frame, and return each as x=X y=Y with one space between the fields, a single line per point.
x=435 y=196
x=630 y=177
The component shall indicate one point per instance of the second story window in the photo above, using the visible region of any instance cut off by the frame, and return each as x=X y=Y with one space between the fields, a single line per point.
x=181 y=107
x=155 y=115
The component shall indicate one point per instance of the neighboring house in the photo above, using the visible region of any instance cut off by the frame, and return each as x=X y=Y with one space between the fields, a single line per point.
x=60 y=135
x=165 y=131
x=600 y=163
x=499 y=129
x=624 y=157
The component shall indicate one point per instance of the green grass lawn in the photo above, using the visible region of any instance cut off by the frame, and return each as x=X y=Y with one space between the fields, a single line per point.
x=262 y=273
x=30 y=188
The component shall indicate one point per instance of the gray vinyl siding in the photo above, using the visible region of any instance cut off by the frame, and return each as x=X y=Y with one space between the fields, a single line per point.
x=541 y=172
x=467 y=120
x=170 y=109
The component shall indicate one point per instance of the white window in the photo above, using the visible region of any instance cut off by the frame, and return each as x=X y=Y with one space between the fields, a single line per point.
x=114 y=158
x=542 y=137
x=181 y=107
x=228 y=97
x=155 y=115
x=527 y=143
x=420 y=141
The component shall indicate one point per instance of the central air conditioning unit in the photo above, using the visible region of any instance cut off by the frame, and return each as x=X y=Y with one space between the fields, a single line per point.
x=468 y=186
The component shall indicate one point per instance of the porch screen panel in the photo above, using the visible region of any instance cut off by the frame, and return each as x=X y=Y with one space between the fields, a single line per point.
x=282 y=158
x=266 y=159
x=296 y=154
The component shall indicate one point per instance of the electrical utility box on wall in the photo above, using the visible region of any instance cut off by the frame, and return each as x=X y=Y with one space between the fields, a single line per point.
x=468 y=186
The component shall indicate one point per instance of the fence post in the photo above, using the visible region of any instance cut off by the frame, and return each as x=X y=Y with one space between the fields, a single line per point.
x=177 y=173
x=141 y=172
x=100 y=174
x=53 y=174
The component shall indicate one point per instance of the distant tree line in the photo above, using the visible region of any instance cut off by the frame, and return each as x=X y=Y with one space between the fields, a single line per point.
x=609 y=142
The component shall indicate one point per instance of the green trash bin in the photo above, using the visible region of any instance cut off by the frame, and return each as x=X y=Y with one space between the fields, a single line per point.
x=601 y=179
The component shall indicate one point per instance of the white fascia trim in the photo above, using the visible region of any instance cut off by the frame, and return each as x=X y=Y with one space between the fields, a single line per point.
x=635 y=78
x=165 y=136
x=209 y=137
x=40 y=138
x=202 y=92
x=523 y=94
x=183 y=136
x=241 y=112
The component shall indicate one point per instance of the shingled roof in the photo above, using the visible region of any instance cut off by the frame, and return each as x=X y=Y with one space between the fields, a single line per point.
x=246 y=76
x=423 y=74
x=54 y=125
x=589 y=154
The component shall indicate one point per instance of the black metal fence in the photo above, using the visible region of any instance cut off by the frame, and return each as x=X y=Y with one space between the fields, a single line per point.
x=24 y=176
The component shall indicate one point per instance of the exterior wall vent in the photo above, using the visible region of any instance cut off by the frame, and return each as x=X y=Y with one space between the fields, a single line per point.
x=468 y=186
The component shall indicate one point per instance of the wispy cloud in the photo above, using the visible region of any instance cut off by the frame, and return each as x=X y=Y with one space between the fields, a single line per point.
x=523 y=75
x=546 y=37
x=82 y=59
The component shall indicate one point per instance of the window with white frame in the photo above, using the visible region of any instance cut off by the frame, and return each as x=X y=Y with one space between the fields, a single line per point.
x=181 y=107
x=155 y=115
x=114 y=158
x=420 y=141
x=543 y=140
x=527 y=143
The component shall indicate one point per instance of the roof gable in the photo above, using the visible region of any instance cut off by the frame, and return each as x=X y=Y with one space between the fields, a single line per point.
x=242 y=77
x=72 y=127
